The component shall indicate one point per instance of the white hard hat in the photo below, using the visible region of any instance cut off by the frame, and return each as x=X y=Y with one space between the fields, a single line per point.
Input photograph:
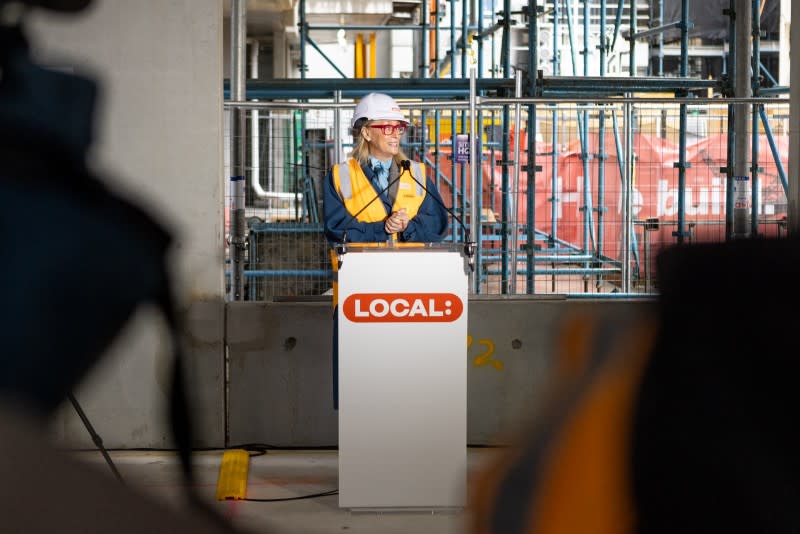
x=377 y=106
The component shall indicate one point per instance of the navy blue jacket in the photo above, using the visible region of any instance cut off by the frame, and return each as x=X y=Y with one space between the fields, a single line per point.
x=427 y=226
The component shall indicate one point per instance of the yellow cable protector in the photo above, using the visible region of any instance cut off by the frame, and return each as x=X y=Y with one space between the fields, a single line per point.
x=232 y=482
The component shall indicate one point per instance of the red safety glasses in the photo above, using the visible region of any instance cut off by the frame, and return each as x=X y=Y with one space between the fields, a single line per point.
x=389 y=128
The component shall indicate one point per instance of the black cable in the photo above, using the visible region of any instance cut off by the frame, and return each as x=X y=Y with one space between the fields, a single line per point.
x=312 y=496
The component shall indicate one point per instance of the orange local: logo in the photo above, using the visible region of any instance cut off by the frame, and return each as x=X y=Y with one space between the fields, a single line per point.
x=402 y=307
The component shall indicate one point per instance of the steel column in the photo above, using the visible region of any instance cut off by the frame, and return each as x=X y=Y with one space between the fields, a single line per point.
x=238 y=149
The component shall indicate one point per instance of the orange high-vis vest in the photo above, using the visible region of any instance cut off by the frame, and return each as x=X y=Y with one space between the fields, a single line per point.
x=356 y=192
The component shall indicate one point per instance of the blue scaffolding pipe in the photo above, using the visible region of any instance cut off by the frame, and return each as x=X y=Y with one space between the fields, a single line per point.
x=454 y=189
x=544 y=258
x=777 y=90
x=601 y=132
x=633 y=23
x=756 y=85
x=554 y=199
x=658 y=30
x=576 y=270
x=325 y=57
x=505 y=56
x=480 y=37
x=464 y=36
x=729 y=171
x=588 y=214
x=661 y=39
x=621 y=157
x=582 y=117
x=436 y=48
x=571 y=34
x=682 y=164
x=533 y=59
x=303 y=32
x=624 y=84
x=774 y=149
x=423 y=64
x=617 y=22
x=768 y=74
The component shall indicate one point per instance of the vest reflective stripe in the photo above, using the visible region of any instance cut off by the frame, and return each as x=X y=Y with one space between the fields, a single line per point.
x=419 y=174
x=344 y=181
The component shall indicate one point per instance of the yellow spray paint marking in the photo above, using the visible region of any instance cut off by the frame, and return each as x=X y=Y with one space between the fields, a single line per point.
x=232 y=482
x=485 y=358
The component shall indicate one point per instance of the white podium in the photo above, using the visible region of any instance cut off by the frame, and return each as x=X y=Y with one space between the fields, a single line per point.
x=402 y=378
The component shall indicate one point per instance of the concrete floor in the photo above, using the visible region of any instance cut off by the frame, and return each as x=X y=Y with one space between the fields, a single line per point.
x=278 y=474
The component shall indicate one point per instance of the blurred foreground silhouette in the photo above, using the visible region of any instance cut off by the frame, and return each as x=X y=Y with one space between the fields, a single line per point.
x=683 y=419
x=64 y=303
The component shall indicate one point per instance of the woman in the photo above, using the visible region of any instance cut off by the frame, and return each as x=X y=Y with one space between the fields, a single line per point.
x=373 y=196
x=378 y=195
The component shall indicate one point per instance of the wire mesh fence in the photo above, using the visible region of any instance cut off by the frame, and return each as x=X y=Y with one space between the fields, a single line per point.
x=611 y=188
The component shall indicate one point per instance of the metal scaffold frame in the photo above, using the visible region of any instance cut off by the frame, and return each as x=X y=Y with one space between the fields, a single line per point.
x=534 y=90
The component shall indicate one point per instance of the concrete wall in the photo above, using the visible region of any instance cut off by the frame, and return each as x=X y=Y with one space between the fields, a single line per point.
x=159 y=133
x=280 y=366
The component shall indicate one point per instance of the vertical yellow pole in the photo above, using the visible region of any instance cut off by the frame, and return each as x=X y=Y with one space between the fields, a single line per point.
x=372 y=64
x=359 y=53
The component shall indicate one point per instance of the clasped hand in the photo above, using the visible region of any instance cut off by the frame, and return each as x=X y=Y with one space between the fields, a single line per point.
x=396 y=222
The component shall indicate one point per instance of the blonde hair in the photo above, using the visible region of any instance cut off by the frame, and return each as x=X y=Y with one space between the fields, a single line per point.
x=360 y=151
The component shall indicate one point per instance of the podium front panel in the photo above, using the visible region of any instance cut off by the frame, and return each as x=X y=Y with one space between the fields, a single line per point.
x=402 y=379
